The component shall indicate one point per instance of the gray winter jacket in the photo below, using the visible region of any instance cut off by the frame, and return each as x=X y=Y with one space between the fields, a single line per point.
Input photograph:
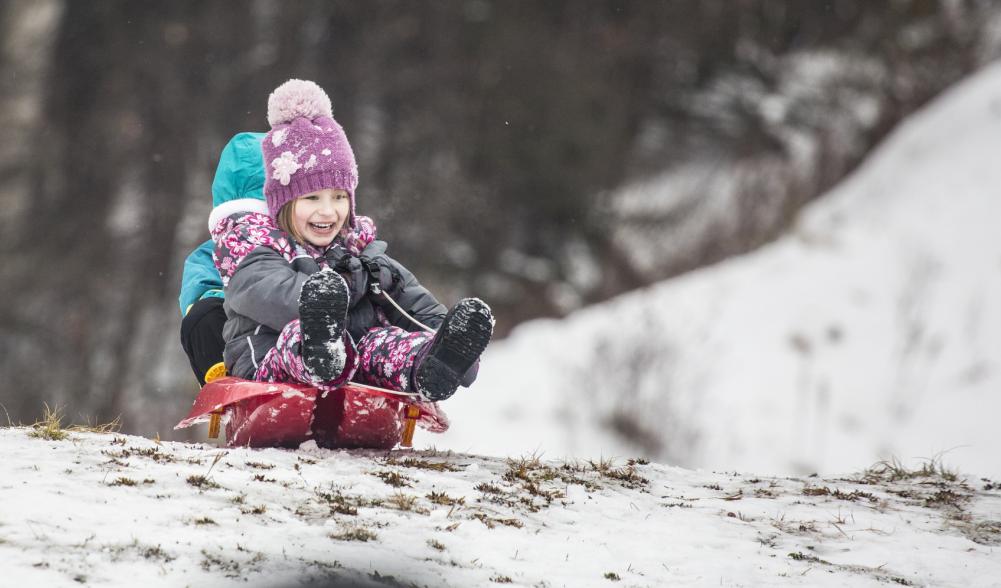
x=262 y=296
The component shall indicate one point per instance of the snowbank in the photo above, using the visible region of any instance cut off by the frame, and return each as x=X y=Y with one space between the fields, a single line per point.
x=872 y=330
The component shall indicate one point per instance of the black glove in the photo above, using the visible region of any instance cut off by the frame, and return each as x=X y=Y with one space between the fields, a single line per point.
x=350 y=269
x=381 y=275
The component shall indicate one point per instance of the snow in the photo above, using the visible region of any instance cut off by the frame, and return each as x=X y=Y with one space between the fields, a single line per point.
x=105 y=509
x=872 y=330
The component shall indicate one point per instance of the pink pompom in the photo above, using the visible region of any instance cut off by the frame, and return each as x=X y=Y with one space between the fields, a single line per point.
x=297 y=98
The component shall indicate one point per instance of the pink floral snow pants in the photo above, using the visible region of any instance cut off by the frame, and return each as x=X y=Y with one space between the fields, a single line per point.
x=384 y=357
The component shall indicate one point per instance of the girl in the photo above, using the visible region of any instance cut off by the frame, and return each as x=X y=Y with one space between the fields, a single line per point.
x=311 y=296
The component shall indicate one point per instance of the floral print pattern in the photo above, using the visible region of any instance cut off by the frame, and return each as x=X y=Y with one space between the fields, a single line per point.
x=356 y=239
x=283 y=363
x=285 y=165
x=384 y=358
x=237 y=235
x=387 y=357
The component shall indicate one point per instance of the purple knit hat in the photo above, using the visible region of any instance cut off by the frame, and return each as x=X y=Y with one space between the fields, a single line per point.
x=305 y=150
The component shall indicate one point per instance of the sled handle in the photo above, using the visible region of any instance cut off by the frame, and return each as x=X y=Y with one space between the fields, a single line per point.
x=214 y=373
x=409 y=423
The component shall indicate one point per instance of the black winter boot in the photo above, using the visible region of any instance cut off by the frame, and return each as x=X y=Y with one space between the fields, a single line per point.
x=456 y=346
x=323 y=316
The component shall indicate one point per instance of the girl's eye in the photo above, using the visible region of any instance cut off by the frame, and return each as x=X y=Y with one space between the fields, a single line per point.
x=342 y=196
x=311 y=197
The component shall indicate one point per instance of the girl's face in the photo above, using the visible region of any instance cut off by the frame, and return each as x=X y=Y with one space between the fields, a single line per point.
x=319 y=216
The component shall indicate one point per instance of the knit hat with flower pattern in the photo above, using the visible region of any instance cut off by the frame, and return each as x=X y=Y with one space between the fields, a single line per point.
x=305 y=150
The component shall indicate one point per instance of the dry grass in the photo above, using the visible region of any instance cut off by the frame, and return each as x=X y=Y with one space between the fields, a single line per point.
x=340 y=503
x=354 y=533
x=406 y=503
x=102 y=428
x=394 y=479
x=444 y=499
x=152 y=453
x=946 y=498
x=800 y=556
x=50 y=426
x=401 y=501
x=839 y=494
x=488 y=488
x=202 y=482
x=412 y=462
x=435 y=544
x=492 y=522
x=627 y=476
x=9 y=423
x=892 y=470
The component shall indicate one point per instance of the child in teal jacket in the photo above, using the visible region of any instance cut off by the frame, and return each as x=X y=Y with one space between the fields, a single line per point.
x=238 y=186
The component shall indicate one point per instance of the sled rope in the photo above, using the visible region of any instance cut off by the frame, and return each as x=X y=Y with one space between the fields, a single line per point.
x=354 y=384
x=403 y=312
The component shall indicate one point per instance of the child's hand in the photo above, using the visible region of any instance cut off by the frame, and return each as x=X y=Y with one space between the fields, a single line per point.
x=380 y=275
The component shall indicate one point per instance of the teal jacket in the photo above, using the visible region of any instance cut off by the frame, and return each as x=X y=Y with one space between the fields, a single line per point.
x=238 y=185
x=200 y=278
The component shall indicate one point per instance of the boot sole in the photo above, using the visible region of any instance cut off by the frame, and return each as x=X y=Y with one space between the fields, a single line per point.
x=464 y=335
x=323 y=310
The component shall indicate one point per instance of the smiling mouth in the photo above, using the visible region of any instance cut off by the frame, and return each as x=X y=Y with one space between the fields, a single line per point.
x=321 y=227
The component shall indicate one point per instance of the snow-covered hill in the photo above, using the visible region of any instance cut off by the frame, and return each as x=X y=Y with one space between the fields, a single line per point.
x=112 y=510
x=872 y=330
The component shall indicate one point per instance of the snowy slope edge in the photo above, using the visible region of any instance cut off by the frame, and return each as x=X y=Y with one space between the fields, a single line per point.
x=107 y=509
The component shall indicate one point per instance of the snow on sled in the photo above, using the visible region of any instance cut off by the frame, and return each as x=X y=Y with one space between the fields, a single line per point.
x=269 y=414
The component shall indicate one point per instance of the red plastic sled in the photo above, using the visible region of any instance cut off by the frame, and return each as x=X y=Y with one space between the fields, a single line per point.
x=266 y=414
